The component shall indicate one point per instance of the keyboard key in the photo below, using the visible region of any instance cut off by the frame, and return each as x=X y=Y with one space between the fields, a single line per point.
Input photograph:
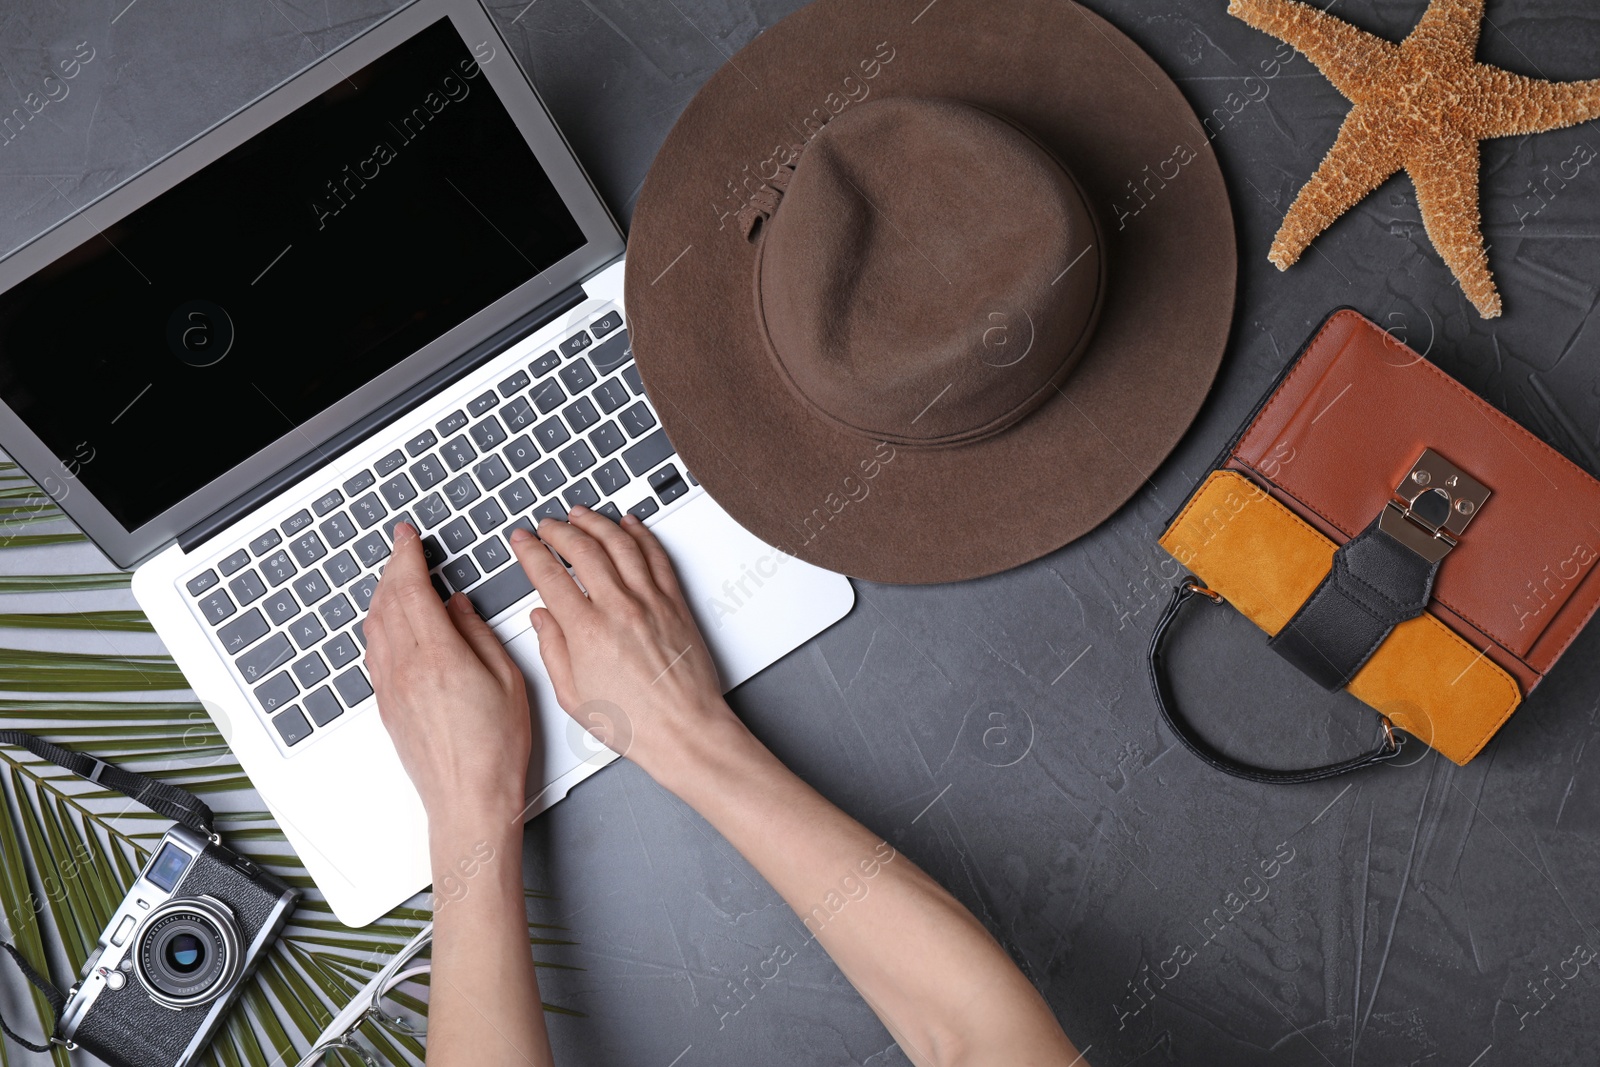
x=341 y=650
x=521 y=453
x=311 y=587
x=281 y=607
x=390 y=463
x=484 y=402
x=458 y=452
x=296 y=522
x=548 y=477
x=575 y=344
x=637 y=420
x=341 y=569
x=327 y=502
x=613 y=354
x=278 y=568
x=233 y=562
x=359 y=482
x=544 y=364
x=460 y=572
x=371 y=549
x=492 y=554
x=581 y=494
x=611 y=477
x=369 y=511
x=607 y=439
x=577 y=458
x=243 y=632
x=362 y=592
x=550 y=509
x=276 y=691
x=337 y=612
x=388 y=527
x=606 y=323
x=648 y=453
x=487 y=515
x=548 y=397
x=399 y=491
x=609 y=510
x=524 y=523
x=202 y=581
x=462 y=491
x=421 y=443
x=491 y=472
x=668 y=484
x=432 y=510
x=611 y=394
x=428 y=472
x=500 y=592
x=360 y=630
x=514 y=384
x=488 y=433
x=337 y=530
x=518 y=496
x=433 y=553
x=458 y=535
x=307 y=549
x=248 y=587
x=551 y=434
x=518 y=415
x=352 y=686
x=580 y=414
x=323 y=706
x=577 y=376
x=307 y=630
x=309 y=670
x=292 y=726
x=265 y=658
x=265 y=543
x=644 y=508
x=631 y=376
x=451 y=423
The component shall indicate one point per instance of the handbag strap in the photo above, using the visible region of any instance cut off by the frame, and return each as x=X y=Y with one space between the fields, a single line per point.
x=177 y=804
x=1187 y=590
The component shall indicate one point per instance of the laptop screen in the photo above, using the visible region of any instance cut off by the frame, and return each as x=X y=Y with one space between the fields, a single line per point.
x=280 y=278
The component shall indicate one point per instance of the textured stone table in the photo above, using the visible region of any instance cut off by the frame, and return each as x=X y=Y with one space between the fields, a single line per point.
x=1425 y=914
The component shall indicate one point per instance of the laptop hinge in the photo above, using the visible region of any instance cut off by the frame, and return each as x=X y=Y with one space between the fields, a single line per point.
x=354 y=434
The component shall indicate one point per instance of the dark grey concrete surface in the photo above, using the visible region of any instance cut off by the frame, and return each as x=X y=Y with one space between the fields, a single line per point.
x=1001 y=732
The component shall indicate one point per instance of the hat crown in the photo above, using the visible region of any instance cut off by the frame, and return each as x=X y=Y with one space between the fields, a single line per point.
x=931 y=275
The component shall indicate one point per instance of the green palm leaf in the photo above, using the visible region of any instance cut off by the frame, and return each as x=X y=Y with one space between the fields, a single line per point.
x=69 y=849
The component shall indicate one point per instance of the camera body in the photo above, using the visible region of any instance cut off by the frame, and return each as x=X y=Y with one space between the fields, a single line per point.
x=173 y=958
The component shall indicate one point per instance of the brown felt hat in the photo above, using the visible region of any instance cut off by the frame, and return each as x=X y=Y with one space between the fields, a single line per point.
x=902 y=266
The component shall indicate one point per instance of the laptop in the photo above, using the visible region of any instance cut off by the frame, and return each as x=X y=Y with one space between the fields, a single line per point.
x=385 y=290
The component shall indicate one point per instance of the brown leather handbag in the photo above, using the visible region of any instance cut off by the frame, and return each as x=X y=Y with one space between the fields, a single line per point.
x=1395 y=536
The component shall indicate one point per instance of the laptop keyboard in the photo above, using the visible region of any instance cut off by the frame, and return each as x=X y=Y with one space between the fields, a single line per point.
x=533 y=439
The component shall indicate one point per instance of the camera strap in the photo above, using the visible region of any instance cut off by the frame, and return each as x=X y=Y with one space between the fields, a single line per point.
x=171 y=801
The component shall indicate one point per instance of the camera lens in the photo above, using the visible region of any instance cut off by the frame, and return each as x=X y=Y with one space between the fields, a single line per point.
x=188 y=952
x=185 y=953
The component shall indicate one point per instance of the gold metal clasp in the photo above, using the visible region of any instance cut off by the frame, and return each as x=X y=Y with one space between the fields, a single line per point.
x=1433 y=506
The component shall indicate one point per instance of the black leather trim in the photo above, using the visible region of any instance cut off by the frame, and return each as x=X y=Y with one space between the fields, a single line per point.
x=1376 y=584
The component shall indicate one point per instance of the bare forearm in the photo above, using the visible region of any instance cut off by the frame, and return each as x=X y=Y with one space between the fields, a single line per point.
x=485 y=1007
x=942 y=986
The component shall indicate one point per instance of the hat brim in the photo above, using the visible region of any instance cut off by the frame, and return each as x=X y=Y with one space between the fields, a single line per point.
x=905 y=515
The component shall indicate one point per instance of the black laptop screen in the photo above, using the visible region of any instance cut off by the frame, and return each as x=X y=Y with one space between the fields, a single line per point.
x=280 y=278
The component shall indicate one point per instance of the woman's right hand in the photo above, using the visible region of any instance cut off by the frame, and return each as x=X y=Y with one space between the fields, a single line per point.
x=627 y=661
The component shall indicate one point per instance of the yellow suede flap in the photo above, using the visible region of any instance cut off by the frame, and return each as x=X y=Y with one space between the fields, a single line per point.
x=1265 y=561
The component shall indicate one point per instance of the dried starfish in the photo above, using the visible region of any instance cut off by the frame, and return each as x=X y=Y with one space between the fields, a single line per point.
x=1422 y=105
